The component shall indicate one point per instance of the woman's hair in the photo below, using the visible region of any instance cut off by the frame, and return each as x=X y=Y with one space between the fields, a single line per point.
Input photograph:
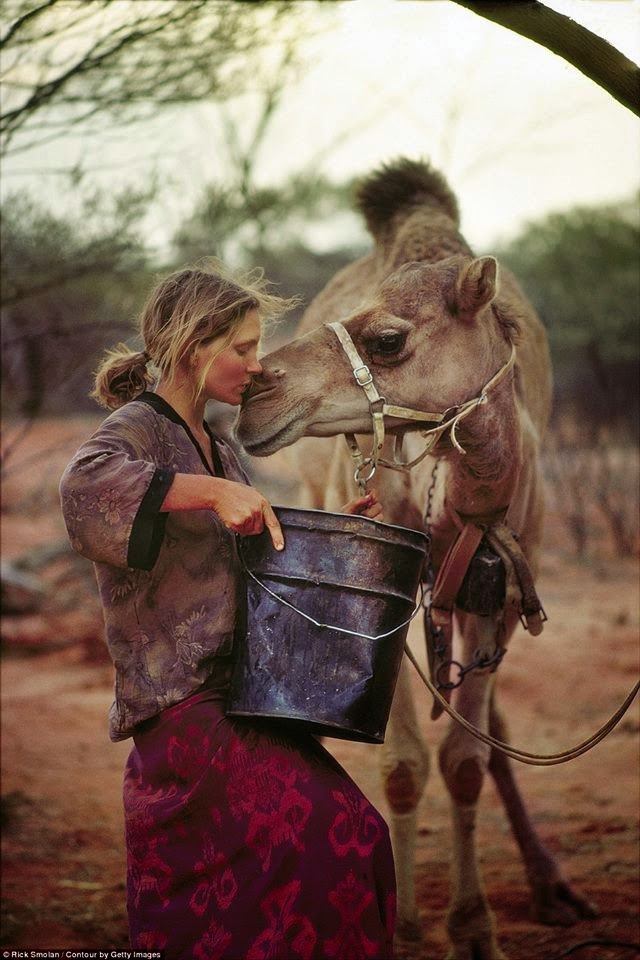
x=185 y=308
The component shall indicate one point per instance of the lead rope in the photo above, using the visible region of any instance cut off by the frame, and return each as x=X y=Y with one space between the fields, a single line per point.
x=535 y=759
x=441 y=703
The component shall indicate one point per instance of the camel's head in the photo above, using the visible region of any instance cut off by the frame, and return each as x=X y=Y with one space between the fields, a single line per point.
x=429 y=338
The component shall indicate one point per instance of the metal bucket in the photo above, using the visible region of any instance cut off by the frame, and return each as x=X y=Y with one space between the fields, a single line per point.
x=326 y=622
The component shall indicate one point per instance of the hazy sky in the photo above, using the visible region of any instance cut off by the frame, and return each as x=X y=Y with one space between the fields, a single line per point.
x=516 y=129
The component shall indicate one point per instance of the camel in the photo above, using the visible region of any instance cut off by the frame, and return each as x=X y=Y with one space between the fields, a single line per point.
x=433 y=326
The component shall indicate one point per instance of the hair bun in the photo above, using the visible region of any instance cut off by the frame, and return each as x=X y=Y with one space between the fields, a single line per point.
x=121 y=377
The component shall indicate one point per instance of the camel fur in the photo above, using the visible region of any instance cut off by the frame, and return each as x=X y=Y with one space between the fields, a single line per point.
x=434 y=324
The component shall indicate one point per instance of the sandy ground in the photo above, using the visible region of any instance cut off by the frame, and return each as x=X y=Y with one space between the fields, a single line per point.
x=63 y=857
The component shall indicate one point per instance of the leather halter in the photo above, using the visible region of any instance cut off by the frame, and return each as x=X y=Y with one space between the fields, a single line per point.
x=379 y=408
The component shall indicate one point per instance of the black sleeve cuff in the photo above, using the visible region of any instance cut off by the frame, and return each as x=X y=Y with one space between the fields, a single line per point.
x=147 y=531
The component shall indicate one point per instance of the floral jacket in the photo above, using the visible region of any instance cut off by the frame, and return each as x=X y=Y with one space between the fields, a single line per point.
x=170 y=583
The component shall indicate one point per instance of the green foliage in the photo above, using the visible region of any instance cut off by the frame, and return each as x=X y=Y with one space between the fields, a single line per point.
x=580 y=269
x=238 y=221
x=42 y=251
x=297 y=271
x=70 y=286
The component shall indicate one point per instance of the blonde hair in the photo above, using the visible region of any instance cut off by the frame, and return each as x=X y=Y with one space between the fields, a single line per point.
x=188 y=306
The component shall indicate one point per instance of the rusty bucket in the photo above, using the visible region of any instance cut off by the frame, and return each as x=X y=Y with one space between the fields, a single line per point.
x=326 y=622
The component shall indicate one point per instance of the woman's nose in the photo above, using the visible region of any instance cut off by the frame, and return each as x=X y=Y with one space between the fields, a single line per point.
x=255 y=367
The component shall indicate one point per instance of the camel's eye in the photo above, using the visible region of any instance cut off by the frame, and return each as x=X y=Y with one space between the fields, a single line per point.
x=388 y=343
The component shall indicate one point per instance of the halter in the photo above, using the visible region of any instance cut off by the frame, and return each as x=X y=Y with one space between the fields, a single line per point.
x=448 y=420
x=379 y=408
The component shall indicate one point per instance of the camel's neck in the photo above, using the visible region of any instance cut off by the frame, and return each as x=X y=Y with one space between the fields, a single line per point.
x=482 y=480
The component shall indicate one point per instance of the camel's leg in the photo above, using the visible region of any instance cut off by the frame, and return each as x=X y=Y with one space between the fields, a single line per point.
x=405 y=768
x=464 y=761
x=553 y=900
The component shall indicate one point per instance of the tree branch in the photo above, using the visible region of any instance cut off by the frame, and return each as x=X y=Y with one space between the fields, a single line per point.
x=91 y=60
x=121 y=37
x=591 y=54
x=19 y=23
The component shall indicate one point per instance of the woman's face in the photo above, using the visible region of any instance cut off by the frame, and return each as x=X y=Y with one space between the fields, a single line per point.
x=230 y=373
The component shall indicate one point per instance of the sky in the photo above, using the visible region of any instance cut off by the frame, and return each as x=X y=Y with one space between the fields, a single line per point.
x=517 y=130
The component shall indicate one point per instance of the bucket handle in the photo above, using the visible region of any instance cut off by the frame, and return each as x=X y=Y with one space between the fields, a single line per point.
x=328 y=626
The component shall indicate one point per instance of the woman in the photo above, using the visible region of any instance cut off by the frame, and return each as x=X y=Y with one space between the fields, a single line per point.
x=243 y=840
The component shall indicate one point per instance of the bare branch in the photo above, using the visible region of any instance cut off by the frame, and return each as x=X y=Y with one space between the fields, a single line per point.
x=16 y=41
x=19 y=23
x=591 y=54
x=91 y=60
x=151 y=54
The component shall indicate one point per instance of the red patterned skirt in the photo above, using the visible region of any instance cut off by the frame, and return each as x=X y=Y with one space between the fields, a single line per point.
x=245 y=842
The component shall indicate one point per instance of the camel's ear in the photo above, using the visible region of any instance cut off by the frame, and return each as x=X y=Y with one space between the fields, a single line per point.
x=475 y=287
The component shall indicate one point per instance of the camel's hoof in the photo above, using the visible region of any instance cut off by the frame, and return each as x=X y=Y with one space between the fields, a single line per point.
x=409 y=931
x=485 y=948
x=472 y=931
x=557 y=905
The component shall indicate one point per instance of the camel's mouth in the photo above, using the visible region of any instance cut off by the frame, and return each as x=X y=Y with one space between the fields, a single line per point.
x=258 y=444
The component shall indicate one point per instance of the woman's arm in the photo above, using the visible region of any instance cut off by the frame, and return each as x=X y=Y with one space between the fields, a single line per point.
x=241 y=508
x=111 y=498
x=115 y=499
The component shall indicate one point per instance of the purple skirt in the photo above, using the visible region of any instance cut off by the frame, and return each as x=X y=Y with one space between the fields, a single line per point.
x=248 y=842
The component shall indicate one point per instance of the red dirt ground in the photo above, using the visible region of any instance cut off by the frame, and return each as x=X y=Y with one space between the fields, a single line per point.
x=63 y=857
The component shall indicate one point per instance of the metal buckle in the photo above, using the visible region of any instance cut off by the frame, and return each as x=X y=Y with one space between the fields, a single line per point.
x=364 y=378
x=523 y=618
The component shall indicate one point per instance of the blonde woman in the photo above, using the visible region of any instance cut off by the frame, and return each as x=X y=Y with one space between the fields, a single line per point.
x=243 y=841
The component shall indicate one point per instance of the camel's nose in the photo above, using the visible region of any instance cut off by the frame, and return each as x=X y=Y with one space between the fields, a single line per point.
x=268 y=379
x=271 y=374
x=275 y=372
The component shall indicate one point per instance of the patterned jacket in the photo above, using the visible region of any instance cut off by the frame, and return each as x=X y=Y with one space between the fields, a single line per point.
x=170 y=583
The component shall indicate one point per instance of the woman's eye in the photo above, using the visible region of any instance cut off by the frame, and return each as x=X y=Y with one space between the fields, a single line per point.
x=388 y=343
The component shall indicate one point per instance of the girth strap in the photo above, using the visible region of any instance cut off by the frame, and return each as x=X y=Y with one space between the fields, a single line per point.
x=443 y=597
x=452 y=571
x=520 y=594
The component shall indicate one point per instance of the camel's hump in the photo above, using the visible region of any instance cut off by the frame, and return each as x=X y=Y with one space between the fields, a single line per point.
x=401 y=184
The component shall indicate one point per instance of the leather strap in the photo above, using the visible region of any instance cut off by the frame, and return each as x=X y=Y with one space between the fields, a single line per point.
x=364 y=379
x=505 y=544
x=445 y=589
x=453 y=569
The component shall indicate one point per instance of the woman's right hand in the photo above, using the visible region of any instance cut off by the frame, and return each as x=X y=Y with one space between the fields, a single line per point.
x=244 y=510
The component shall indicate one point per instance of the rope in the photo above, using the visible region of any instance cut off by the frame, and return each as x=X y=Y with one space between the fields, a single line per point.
x=534 y=759
x=597 y=942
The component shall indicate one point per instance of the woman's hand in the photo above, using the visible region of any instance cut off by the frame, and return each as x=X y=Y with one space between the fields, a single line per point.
x=367 y=506
x=241 y=508
x=244 y=510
